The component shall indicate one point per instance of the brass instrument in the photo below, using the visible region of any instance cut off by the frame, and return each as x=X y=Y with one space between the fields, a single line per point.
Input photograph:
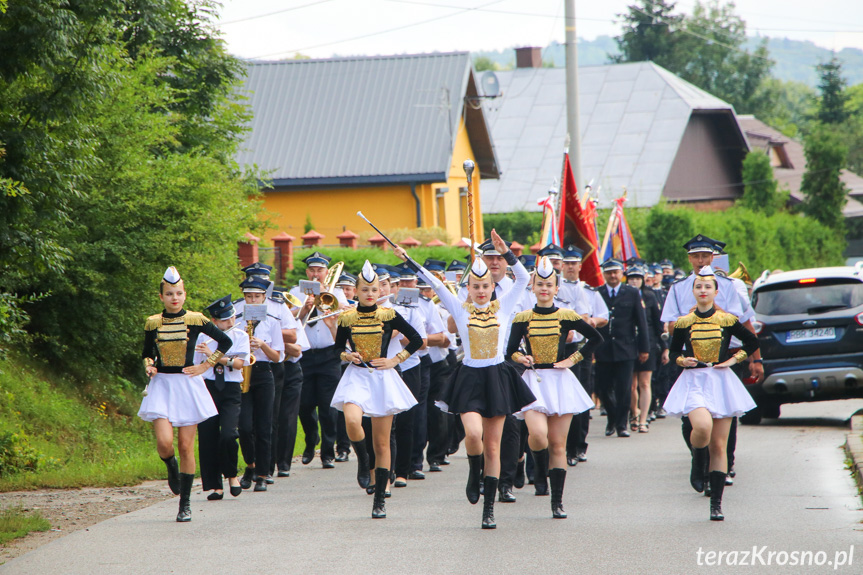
x=326 y=301
x=247 y=369
x=292 y=301
x=451 y=286
x=741 y=273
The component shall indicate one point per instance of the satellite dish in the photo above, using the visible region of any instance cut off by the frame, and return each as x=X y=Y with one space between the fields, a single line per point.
x=490 y=84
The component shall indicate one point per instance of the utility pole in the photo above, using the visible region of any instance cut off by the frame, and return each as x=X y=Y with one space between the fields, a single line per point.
x=572 y=117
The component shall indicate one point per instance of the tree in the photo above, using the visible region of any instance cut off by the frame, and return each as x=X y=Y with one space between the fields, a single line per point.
x=483 y=63
x=650 y=34
x=666 y=232
x=831 y=85
x=825 y=192
x=760 y=188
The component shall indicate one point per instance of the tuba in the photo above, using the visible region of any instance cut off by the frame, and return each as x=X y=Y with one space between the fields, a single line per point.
x=326 y=301
x=741 y=273
x=247 y=369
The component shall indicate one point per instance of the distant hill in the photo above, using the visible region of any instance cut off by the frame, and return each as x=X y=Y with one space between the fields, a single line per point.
x=795 y=59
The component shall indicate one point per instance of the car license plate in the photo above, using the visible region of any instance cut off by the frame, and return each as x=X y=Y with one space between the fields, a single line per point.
x=812 y=334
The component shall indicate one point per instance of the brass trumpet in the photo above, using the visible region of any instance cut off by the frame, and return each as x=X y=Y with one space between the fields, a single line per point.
x=326 y=301
x=247 y=369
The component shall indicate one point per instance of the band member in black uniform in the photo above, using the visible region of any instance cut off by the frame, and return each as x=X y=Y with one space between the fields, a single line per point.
x=625 y=342
x=347 y=282
x=707 y=391
x=641 y=391
x=177 y=395
x=217 y=437
x=484 y=389
x=320 y=373
x=370 y=387
x=545 y=330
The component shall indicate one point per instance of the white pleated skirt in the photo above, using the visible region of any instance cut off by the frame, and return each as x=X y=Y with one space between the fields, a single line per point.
x=718 y=390
x=180 y=399
x=558 y=393
x=378 y=393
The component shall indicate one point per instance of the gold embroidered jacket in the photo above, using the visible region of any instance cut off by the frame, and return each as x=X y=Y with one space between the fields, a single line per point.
x=545 y=331
x=169 y=339
x=705 y=337
x=369 y=330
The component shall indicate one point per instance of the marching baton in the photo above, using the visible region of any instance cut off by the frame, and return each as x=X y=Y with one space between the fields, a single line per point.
x=468 y=172
x=383 y=235
x=531 y=366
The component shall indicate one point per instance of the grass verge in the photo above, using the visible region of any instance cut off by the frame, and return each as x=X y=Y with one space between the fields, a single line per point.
x=15 y=523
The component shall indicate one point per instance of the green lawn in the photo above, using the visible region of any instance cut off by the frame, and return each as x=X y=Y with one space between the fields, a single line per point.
x=16 y=523
x=56 y=435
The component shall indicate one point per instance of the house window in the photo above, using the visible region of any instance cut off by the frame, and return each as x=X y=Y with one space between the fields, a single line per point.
x=441 y=207
x=462 y=192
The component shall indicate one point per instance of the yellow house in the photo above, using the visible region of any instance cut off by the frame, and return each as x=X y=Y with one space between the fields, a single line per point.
x=387 y=135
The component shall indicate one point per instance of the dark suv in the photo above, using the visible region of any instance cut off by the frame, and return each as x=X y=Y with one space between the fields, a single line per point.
x=810 y=329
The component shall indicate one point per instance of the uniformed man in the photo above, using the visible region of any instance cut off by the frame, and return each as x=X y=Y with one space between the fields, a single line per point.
x=625 y=342
x=321 y=370
x=589 y=304
x=554 y=253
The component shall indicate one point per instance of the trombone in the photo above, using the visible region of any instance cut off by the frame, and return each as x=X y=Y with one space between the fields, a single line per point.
x=326 y=300
x=339 y=311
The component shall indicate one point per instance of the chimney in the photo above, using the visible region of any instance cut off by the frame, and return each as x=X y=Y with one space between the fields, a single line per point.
x=528 y=57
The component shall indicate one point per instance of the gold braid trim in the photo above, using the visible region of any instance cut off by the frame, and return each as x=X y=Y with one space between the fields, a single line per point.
x=195 y=318
x=492 y=308
x=724 y=319
x=345 y=357
x=523 y=316
x=568 y=315
x=576 y=357
x=348 y=318
x=516 y=357
x=741 y=356
x=386 y=314
x=403 y=355
x=153 y=322
x=148 y=361
x=720 y=318
x=680 y=360
x=685 y=321
x=215 y=357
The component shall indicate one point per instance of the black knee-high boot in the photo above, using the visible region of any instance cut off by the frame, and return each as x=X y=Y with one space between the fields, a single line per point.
x=488 y=503
x=472 y=489
x=382 y=477
x=185 y=513
x=700 y=458
x=557 y=477
x=717 y=486
x=540 y=471
x=363 y=473
x=173 y=474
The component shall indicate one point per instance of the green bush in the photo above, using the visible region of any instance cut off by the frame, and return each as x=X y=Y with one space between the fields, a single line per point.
x=16 y=454
x=514 y=226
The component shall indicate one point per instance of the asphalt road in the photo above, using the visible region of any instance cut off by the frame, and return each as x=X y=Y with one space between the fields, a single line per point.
x=630 y=507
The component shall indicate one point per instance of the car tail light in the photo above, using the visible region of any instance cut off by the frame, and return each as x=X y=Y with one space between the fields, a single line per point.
x=859 y=318
x=757 y=326
x=806 y=281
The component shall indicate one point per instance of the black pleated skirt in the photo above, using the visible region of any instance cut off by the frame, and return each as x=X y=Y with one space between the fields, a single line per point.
x=490 y=391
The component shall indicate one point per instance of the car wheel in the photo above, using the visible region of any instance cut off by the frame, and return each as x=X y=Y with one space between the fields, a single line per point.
x=770 y=410
x=751 y=417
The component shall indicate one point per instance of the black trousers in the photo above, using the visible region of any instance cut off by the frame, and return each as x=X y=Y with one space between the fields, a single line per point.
x=256 y=418
x=421 y=415
x=343 y=442
x=278 y=384
x=614 y=384
x=513 y=442
x=404 y=425
x=217 y=436
x=321 y=374
x=576 y=440
x=438 y=428
x=455 y=428
x=285 y=411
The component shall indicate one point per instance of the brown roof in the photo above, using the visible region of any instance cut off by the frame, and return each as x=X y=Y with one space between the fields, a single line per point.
x=764 y=137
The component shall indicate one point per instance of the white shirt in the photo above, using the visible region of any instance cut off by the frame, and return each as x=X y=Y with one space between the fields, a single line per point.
x=432 y=326
x=508 y=298
x=414 y=316
x=239 y=348
x=318 y=334
x=270 y=332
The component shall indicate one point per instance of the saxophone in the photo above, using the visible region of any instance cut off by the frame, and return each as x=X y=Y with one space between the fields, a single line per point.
x=247 y=369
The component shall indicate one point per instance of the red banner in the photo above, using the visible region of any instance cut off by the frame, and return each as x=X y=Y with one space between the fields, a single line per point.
x=579 y=226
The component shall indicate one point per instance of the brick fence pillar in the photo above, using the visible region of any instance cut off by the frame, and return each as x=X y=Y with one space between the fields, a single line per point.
x=285 y=245
x=247 y=250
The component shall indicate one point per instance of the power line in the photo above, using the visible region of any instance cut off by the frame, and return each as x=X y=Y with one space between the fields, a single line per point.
x=274 y=13
x=380 y=32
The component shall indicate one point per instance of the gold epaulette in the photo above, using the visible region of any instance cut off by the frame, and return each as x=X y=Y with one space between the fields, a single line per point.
x=686 y=321
x=523 y=316
x=195 y=318
x=493 y=307
x=386 y=314
x=568 y=314
x=348 y=318
x=153 y=322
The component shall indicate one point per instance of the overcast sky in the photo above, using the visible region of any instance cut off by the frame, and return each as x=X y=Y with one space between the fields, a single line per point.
x=320 y=28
